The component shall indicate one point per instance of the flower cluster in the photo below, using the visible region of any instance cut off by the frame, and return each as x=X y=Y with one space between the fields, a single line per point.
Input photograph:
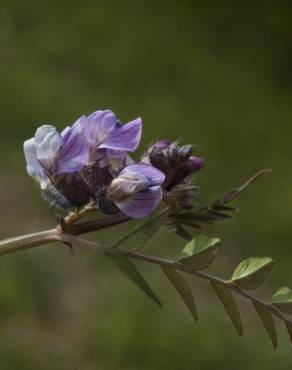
x=89 y=162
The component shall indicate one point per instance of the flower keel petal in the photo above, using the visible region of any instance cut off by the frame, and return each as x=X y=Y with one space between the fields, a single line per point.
x=142 y=203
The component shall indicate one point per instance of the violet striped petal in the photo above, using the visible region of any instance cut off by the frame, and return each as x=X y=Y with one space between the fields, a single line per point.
x=141 y=204
x=98 y=126
x=74 y=152
x=154 y=176
x=123 y=187
x=126 y=137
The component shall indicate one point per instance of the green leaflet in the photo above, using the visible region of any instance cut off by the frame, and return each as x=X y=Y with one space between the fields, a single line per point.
x=141 y=231
x=230 y=305
x=182 y=288
x=199 y=253
x=127 y=267
x=289 y=329
x=268 y=322
x=251 y=272
x=282 y=299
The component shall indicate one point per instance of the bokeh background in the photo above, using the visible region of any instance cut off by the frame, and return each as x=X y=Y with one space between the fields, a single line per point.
x=216 y=73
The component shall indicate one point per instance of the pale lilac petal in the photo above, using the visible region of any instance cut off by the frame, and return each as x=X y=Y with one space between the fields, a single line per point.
x=123 y=187
x=48 y=143
x=129 y=161
x=154 y=176
x=66 y=133
x=98 y=126
x=73 y=154
x=80 y=124
x=126 y=137
x=42 y=132
x=142 y=204
x=33 y=166
x=116 y=159
x=106 y=120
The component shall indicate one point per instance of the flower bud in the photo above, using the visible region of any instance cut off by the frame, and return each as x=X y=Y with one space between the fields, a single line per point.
x=195 y=164
x=185 y=152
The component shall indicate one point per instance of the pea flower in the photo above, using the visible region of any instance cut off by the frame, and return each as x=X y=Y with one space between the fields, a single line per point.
x=108 y=143
x=107 y=138
x=78 y=164
x=54 y=160
x=51 y=154
x=137 y=190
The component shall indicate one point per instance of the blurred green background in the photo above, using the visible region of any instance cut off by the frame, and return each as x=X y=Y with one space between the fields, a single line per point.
x=216 y=73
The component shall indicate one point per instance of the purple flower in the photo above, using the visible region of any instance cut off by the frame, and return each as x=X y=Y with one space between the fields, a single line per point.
x=103 y=131
x=54 y=160
x=78 y=164
x=137 y=190
x=50 y=154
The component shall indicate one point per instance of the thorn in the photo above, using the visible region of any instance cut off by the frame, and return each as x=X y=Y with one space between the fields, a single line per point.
x=70 y=245
x=72 y=250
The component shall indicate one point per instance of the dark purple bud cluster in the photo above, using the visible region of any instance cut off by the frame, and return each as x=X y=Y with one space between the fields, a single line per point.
x=177 y=163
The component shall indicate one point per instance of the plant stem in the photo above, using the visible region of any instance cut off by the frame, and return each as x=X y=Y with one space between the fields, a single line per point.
x=23 y=242
x=179 y=266
x=69 y=236
x=27 y=241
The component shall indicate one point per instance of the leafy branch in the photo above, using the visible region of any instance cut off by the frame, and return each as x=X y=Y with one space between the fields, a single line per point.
x=197 y=255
